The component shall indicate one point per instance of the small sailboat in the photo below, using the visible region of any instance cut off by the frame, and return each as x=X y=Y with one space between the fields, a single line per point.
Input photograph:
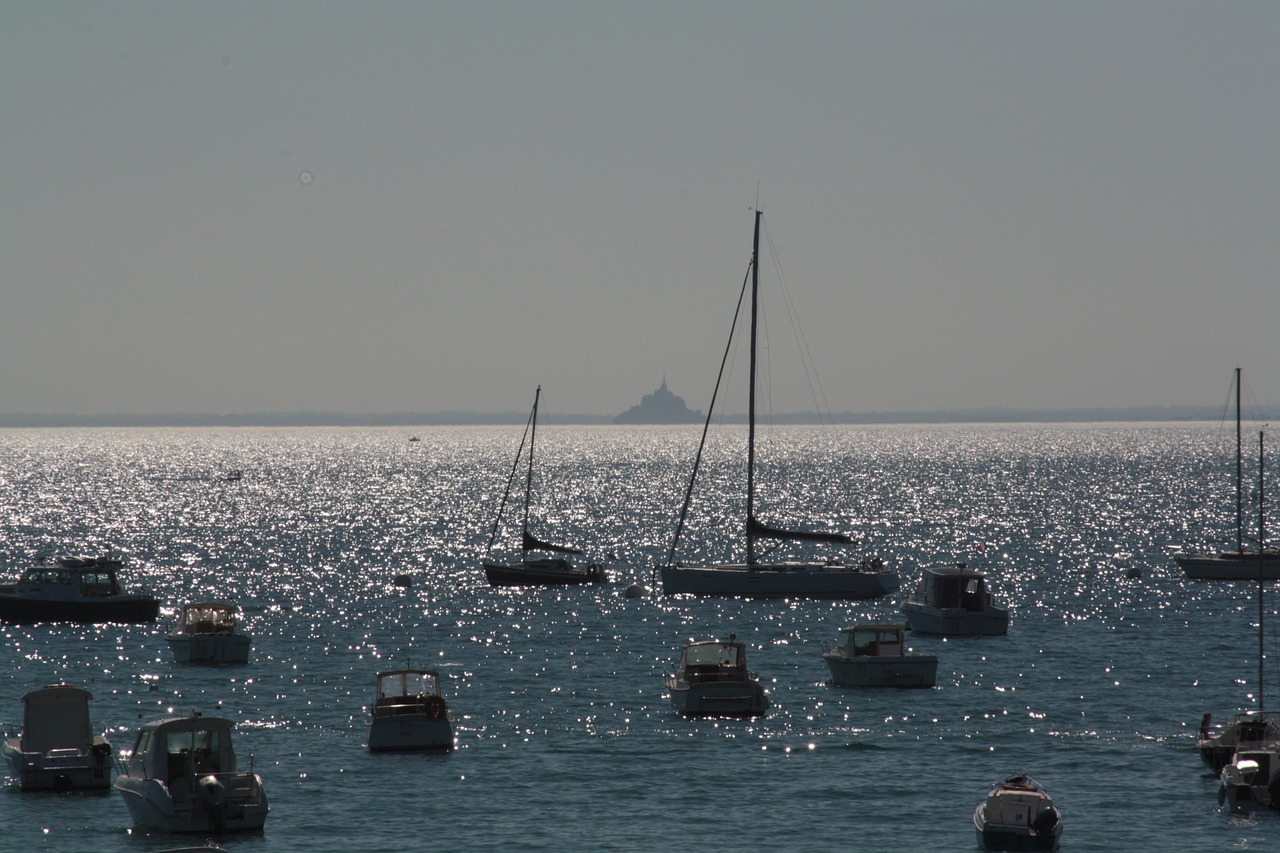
x=1251 y=730
x=1018 y=815
x=534 y=571
x=828 y=579
x=1241 y=564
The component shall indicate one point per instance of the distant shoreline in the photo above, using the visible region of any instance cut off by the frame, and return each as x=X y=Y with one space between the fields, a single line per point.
x=409 y=419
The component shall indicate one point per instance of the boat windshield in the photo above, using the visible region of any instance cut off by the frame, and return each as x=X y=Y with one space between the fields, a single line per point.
x=407 y=684
x=713 y=654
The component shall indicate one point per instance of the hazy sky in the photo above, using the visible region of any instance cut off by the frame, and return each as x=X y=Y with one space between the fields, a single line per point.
x=417 y=206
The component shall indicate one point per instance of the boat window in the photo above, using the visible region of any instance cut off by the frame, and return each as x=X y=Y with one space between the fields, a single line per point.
x=864 y=642
x=712 y=655
x=144 y=743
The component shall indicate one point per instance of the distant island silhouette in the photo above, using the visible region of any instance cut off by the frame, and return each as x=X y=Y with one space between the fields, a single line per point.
x=660 y=407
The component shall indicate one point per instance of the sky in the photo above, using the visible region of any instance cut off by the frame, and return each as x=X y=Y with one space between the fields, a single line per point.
x=278 y=206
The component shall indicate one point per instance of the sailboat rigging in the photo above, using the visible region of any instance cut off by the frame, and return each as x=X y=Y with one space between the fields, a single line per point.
x=536 y=571
x=829 y=579
x=1240 y=564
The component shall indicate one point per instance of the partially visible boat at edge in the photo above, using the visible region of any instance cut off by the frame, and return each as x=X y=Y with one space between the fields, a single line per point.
x=875 y=656
x=182 y=776
x=409 y=713
x=57 y=749
x=713 y=681
x=954 y=601
x=1018 y=815
x=209 y=632
x=535 y=571
x=829 y=579
x=1241 y=564
x=74 y=589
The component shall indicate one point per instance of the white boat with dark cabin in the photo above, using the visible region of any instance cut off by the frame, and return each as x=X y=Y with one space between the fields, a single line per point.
x=74 y=589
x=827 y=579
x=182 y=776
x=713 y=681
x=209 y=632
x=954 y=601
x=1242 y=564
x=1018 y=815
x=534 y=571
x=876 y=656
x=409 y=713
x=57 y=749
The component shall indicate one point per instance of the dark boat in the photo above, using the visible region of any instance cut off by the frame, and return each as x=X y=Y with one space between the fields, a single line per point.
x=74 y=589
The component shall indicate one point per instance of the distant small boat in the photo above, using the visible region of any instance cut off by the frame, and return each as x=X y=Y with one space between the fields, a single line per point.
x=409 y=713
x=713 y=681
x=954 y=601
x=57 y=750
x=74 y=589
x=875 y=656
x=235 y=476
x=1018 y=815
x=534 y=571
x=209 y=632
x=1250 y=782
x=414 y=438
x=182 y=776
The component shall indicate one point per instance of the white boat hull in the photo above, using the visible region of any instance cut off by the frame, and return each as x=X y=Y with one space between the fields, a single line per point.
x=882 y=670
x=409 y=732
x=718 y=699
x=60 y=769
x=956 y=621
x=210 y=648
x=243 y=805
x=780 y=580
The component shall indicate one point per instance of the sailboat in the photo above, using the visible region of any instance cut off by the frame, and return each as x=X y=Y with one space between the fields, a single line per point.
x=831 y=579
x=534 y=571
x=1240 y=564
x=1249 y=736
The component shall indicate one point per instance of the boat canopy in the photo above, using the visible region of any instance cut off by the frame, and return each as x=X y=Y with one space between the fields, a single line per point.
x=56 y=717
x=871 y=640
x=208 y=616
x=175 y=747
x=408 y=682
x=714 y=653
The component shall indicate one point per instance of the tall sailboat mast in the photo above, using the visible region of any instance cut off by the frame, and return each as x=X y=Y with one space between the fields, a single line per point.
x=1239 y=478
x=528 y=478
x=751 y=399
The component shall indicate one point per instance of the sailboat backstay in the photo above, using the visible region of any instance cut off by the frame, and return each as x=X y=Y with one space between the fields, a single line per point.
x=830 y=579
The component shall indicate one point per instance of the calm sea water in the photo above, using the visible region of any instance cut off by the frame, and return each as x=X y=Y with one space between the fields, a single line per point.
x=566 y=740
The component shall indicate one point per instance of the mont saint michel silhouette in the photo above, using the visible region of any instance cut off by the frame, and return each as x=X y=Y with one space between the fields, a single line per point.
x=660 y=407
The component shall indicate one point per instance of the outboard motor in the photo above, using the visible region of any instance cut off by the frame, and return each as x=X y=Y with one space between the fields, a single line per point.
x=213 y=796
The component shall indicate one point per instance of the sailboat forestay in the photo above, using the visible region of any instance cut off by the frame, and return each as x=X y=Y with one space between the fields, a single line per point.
x=830 y=579
x=534 y=571
x=1240 y=564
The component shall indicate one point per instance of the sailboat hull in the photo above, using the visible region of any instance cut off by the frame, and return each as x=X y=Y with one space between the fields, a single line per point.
x=546 y=572
x=780 y=580
x=1231 y=566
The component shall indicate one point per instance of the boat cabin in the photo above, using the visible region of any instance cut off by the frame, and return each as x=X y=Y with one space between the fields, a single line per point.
x=72 y=577
x=180 y=750
x=208 y=617
x=871 y=640
x=406 y=687
x=953 y=587
x=714 y=660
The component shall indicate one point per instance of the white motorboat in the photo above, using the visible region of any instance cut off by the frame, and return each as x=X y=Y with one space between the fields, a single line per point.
x=875 y=656
x=535 y=571
x=182 y=776
x=1250 y=782
x=74 y=589
x=1018 y=815
x=830 y=578
x=209 y=632
x=57 y=749
x=713 y=681
x=954 y=601
x=409 y=713
x=1242 y=564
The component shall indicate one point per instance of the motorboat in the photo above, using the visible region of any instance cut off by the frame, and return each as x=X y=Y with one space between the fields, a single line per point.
x=534 y=570
x=954 y=601
x=209 y=632
x=182 y=776
x=74 y=589
x=1242 y=564
x=57 y=749
x=875 y=656
x=832 y=577
x=1018 y=815
x=1250 y=782
x=1248 y=730
x=713 y=681
x=409 y=713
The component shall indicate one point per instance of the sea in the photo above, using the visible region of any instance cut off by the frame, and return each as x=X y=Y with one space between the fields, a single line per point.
x=565 y=737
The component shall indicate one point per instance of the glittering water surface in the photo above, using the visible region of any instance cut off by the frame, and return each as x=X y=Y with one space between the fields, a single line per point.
x=565 y=738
